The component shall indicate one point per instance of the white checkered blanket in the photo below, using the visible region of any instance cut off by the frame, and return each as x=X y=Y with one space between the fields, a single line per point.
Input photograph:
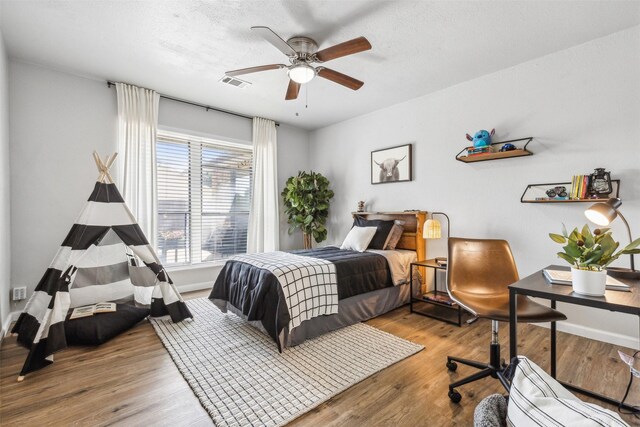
x=309 y=285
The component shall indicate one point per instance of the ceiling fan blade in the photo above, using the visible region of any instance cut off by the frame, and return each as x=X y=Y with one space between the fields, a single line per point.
x=292 y=90
x=339 y=78
x=268 y=34
x=254 y=69
x=343 y=49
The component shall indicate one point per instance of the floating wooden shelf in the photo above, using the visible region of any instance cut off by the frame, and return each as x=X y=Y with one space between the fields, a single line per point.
x=539 y=189
x=493 y=156
x=519 y=152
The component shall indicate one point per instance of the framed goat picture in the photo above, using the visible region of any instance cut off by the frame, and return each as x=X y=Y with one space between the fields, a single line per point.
x=391 y=165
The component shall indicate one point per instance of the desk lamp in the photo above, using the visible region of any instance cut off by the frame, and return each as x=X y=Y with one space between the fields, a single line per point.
x=433 y=230
x=603 y=213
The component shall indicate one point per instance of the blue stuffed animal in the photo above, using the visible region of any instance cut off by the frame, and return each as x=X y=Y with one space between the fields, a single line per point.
x=482 y=138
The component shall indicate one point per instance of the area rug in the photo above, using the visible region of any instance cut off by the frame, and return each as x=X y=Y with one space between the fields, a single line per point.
x=241 y=379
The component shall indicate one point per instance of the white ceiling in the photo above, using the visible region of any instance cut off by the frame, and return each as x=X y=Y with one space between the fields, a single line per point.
x=182 y=48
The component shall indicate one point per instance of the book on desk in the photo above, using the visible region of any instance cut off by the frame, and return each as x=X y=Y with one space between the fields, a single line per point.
x=562 y=277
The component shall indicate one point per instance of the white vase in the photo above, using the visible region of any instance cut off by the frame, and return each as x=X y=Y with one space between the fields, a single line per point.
x=587 y=282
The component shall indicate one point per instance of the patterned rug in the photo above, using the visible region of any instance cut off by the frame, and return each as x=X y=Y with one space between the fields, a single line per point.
x=240 y=378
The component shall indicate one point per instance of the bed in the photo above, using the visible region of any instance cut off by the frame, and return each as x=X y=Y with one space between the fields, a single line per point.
x=267 y=290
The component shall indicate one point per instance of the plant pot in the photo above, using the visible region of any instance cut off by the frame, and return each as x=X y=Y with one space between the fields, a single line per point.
x=307 y=240
x=587 y=282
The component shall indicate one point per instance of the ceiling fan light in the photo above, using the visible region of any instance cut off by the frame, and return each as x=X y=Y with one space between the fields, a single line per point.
x=302 y=73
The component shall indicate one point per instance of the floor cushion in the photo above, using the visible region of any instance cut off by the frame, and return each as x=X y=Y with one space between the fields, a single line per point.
x=101 y=327
x=536 y=399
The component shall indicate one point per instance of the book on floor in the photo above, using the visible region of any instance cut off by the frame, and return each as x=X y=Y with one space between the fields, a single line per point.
x=85 y=311
x=563 y=277
x=105 y=307
x=90 y=310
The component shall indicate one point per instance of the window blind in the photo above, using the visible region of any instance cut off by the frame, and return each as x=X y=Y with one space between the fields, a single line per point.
x=204 y=193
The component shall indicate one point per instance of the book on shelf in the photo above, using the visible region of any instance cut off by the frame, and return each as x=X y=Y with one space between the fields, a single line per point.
x=441 y=262
x=577 y=183
x=579 y=187
x=563 y=277
x=584 y=186
x=440 y=298
x=90 y=310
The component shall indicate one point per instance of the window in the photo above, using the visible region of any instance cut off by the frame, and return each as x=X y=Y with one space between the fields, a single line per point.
x=204 y=192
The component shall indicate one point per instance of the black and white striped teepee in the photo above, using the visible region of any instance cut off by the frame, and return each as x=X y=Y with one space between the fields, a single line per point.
x=105 y=257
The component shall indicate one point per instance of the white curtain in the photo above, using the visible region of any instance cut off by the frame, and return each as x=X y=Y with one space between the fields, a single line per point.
x=137 y=127
x=264 y=224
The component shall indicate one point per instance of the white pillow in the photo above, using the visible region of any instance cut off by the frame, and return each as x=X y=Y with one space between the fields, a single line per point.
x=358 y=238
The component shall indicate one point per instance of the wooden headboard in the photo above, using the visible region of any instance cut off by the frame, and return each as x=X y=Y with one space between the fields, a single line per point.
x=413 y=222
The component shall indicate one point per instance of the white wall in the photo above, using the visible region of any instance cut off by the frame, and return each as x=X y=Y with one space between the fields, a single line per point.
x=5 y=206
x=293 y=156
x=582 y=105
x=57 y=120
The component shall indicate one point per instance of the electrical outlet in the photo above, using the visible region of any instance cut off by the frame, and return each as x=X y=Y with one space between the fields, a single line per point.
x=19 y=293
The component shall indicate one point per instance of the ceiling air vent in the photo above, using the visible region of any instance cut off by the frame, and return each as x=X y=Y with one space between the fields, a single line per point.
x=234 y=82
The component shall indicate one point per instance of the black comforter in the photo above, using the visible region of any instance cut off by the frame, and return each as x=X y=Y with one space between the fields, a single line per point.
x=256 y=293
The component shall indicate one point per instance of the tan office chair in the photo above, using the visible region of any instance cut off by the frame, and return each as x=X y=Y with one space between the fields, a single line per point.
x=478 y=275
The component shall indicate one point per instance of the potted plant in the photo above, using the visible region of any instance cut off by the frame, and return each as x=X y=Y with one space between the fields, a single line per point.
x=306 y=200
x=589 y=255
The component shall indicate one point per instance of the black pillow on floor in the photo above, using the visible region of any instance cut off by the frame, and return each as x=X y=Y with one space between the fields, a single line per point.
x=383 y=229
x=101 y=327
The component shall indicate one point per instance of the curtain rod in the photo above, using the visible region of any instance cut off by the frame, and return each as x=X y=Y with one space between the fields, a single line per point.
x=195 y=104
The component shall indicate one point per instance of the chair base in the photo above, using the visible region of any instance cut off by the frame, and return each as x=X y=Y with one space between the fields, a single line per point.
x=495 y=369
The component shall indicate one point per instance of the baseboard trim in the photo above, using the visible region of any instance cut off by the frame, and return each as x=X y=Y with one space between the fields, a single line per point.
x=596 y=334
x=194 y=287
x=13 y=316
x=6 y=324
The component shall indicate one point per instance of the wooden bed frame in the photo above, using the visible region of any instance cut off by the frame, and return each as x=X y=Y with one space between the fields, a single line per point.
x=413 y=225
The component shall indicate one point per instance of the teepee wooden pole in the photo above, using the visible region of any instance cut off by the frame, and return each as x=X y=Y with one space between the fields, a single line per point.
x=112 y=160
x=108 y=164
x=108 y=174
x=96 y=159
x=103 y=166
x=105 y=171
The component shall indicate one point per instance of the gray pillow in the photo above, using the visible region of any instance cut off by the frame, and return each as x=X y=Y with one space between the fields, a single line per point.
x=394 y=235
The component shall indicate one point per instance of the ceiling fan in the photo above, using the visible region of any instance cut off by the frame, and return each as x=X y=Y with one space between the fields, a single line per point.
x=302 y=52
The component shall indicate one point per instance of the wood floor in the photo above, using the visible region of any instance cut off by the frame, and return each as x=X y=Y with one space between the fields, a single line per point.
x=132 y=381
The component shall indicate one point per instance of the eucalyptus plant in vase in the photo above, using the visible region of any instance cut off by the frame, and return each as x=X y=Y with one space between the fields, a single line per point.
x=589 y=254
x=306 y=200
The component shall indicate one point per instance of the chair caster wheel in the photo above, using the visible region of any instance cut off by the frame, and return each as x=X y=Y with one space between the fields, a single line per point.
x=455 y=396
x=452 y=366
